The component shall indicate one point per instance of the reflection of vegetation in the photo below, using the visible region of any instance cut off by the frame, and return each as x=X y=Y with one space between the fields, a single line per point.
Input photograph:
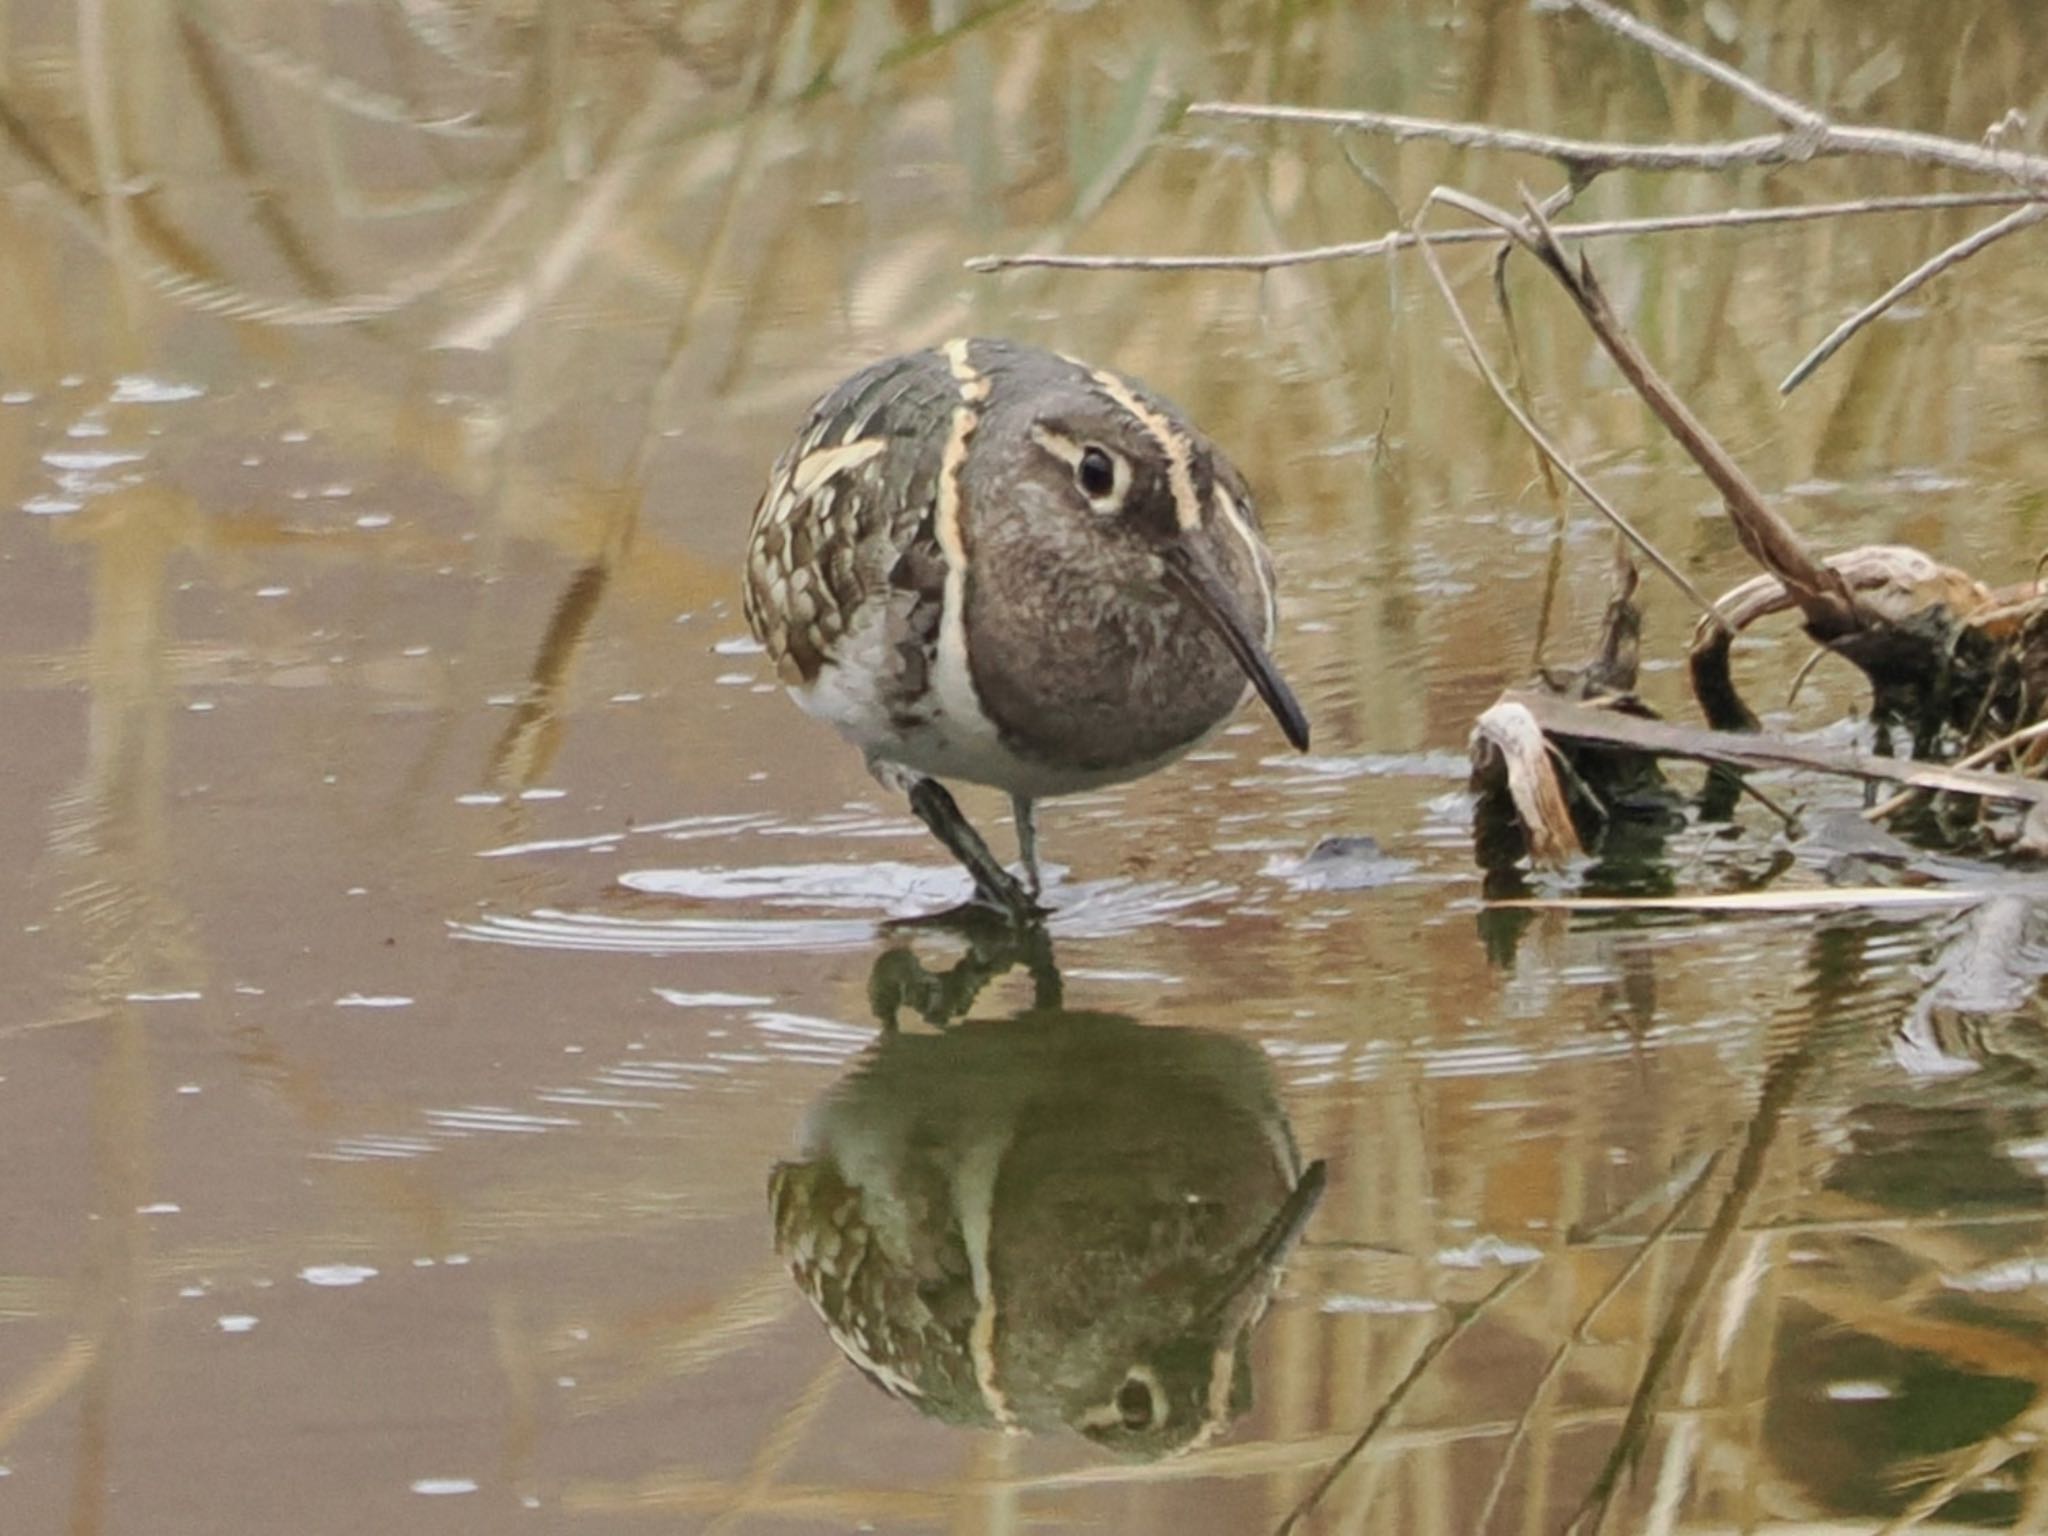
x=1062 y=1218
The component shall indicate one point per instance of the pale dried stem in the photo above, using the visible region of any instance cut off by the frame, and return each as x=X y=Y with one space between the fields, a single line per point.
x=1403 y=239
x=1794 y=146
x=1976 y=759
x=1522 y=418
x=1926 y=272
x=1738 y=749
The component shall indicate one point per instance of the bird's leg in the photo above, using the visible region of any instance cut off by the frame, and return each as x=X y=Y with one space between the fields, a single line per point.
x=1027 y=841
x=993 y=885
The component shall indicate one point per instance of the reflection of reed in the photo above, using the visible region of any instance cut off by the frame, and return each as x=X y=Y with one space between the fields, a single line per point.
x=110 y=858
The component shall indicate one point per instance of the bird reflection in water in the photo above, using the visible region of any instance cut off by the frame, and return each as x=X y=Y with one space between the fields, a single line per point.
x=1057 y=1219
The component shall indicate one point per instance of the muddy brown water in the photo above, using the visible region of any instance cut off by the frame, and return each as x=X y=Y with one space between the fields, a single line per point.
x=429 y=933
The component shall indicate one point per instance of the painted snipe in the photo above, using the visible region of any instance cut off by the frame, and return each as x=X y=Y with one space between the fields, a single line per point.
x=988 y=562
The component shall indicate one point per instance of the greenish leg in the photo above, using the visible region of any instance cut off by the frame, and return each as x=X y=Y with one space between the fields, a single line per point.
x=993 y=885
x=1023 y=809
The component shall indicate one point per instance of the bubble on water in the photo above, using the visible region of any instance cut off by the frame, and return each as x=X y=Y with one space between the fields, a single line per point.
x=235 y=1322
x=372 y=1000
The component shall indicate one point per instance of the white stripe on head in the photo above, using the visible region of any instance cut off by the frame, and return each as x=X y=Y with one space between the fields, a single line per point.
x=1175 y=444
x=1233 y=517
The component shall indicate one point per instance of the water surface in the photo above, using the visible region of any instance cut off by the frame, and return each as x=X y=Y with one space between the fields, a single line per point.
x=432 y=933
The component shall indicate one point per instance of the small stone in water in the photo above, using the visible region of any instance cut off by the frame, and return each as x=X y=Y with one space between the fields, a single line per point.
x=1349 y=862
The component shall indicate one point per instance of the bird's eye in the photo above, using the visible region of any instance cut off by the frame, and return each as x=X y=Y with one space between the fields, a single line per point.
x=1134 y=1405
x=1096 y=472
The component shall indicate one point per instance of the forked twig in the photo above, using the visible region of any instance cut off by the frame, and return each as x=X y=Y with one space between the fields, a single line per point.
x=1522 y=418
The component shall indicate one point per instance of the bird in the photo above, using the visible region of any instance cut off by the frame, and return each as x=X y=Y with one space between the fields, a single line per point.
x=989 y=562
x=1062 y=1220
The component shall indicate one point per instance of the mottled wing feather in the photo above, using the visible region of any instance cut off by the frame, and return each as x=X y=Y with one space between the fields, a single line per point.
x=845 y=521
x=902 y=1319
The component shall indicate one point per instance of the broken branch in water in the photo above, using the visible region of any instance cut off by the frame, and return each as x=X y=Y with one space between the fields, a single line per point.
x=1893 y=584
x=1508 y=745
x=1591 y=725
x=1976 y=759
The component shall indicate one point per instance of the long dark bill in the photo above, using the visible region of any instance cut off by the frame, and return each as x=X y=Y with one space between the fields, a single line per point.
x=1250 y=1279
x=1202 y=584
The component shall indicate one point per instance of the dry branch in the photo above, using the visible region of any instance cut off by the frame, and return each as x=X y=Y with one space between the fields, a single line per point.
x=1592 y=726
x=1825 y=601
x=1405 y=239
x=2019 y=219
x=1593 y=156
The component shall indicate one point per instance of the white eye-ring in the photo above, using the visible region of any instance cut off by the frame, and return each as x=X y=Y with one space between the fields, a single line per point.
x=1102 y=474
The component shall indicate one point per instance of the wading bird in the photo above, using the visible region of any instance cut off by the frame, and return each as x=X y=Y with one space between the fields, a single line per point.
x=992 y=563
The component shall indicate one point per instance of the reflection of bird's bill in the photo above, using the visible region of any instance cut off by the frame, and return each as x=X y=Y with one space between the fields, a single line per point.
x=1244 y=1287
x=1243 y=1292
x=1195 y=574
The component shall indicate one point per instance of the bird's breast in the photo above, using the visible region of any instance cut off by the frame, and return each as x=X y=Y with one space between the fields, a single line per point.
x=1096 y=669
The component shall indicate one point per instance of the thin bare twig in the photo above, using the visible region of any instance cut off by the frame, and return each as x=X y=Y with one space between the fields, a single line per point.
x=1794 y=114
x=1522 y=418
x=1926 y=272
x=1590 y=154
x=1831 y=141
x=1402 y=239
